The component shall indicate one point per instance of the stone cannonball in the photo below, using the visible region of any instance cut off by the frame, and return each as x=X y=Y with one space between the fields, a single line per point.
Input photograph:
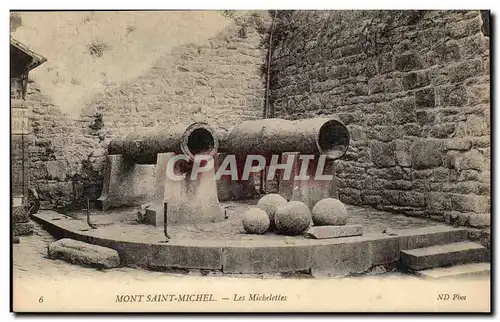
x=329 y=212
x=270 y=203
x=293 y=218
x=255 y=221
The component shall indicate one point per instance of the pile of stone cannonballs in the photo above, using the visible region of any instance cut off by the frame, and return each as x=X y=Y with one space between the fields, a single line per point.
x=275 y=213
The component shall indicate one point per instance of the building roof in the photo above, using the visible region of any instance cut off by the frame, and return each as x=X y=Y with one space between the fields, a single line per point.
x=36 y=59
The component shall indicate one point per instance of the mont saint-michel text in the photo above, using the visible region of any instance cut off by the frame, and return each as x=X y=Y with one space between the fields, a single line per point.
x=197 y=297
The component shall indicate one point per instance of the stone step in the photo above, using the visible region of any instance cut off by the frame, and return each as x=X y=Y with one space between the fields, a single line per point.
x=464 y=270
x=443 y=255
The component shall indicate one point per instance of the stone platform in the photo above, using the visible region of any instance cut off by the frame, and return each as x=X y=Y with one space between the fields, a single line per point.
x=225 y=247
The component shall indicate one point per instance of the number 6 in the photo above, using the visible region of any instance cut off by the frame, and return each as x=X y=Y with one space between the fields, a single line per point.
x=40 y=300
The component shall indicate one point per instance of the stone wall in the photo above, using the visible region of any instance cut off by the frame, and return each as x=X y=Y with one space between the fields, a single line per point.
x=219 y=82
x=413 y=88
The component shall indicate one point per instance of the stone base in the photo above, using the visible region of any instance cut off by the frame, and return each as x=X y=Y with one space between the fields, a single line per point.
x=22 y=229
x=323 y=232
x=188 y=201
x=126 y=183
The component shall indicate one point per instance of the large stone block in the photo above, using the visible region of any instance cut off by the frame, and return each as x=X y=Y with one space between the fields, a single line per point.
x=407 y=61
x=425 y=97
x=81 y=253
x=383 y=154
x=403 y=110
x=438 y=201
x=461 y=144
x=411 y=198
x=465 y=70
x=454 y=95
x=473 y=160
x=427 y=154
x=340 y=259
x=414 y=80
x=470 y=203
x=473 y=126
x=403 y=153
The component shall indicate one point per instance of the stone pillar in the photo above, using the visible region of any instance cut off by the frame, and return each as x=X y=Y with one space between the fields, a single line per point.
x=188 y=201
x=126 y=183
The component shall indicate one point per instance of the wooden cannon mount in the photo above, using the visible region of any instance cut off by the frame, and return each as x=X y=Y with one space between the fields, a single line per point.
x=135 y=174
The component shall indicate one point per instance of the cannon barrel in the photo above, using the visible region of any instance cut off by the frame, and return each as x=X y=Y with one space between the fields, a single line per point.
x=316 y=136
x=192 y=139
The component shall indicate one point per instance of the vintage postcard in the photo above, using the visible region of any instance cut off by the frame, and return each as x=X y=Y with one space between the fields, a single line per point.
x=250 y=161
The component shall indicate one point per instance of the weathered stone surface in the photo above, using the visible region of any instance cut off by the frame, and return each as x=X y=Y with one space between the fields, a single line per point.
x=474 y=126
x=473 y=160
x=438 y=201
x=340 y=259
x=186 y=256
x=56 y=170
x=412 y=198
x=383 y=154
x=414 y=80
x=462 y=144
x=252 y=259
x=470 y=203
x=427 y=154
x=404 y=110
x=403 y=153
x=81 y=253
x=463 y=271
x=329 y=212
x=407 y=61
x=22 y=229
x=466 y=69
x=455 y=95
x=324 y=232
x=425 y=98
x=443 y=255
x=20 y=215
x=480 y=220
x=255 y=221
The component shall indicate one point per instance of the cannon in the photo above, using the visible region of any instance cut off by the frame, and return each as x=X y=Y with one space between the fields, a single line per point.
x=316 y=136
x=320 y=137
x=136 y=174
x=192 y=139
